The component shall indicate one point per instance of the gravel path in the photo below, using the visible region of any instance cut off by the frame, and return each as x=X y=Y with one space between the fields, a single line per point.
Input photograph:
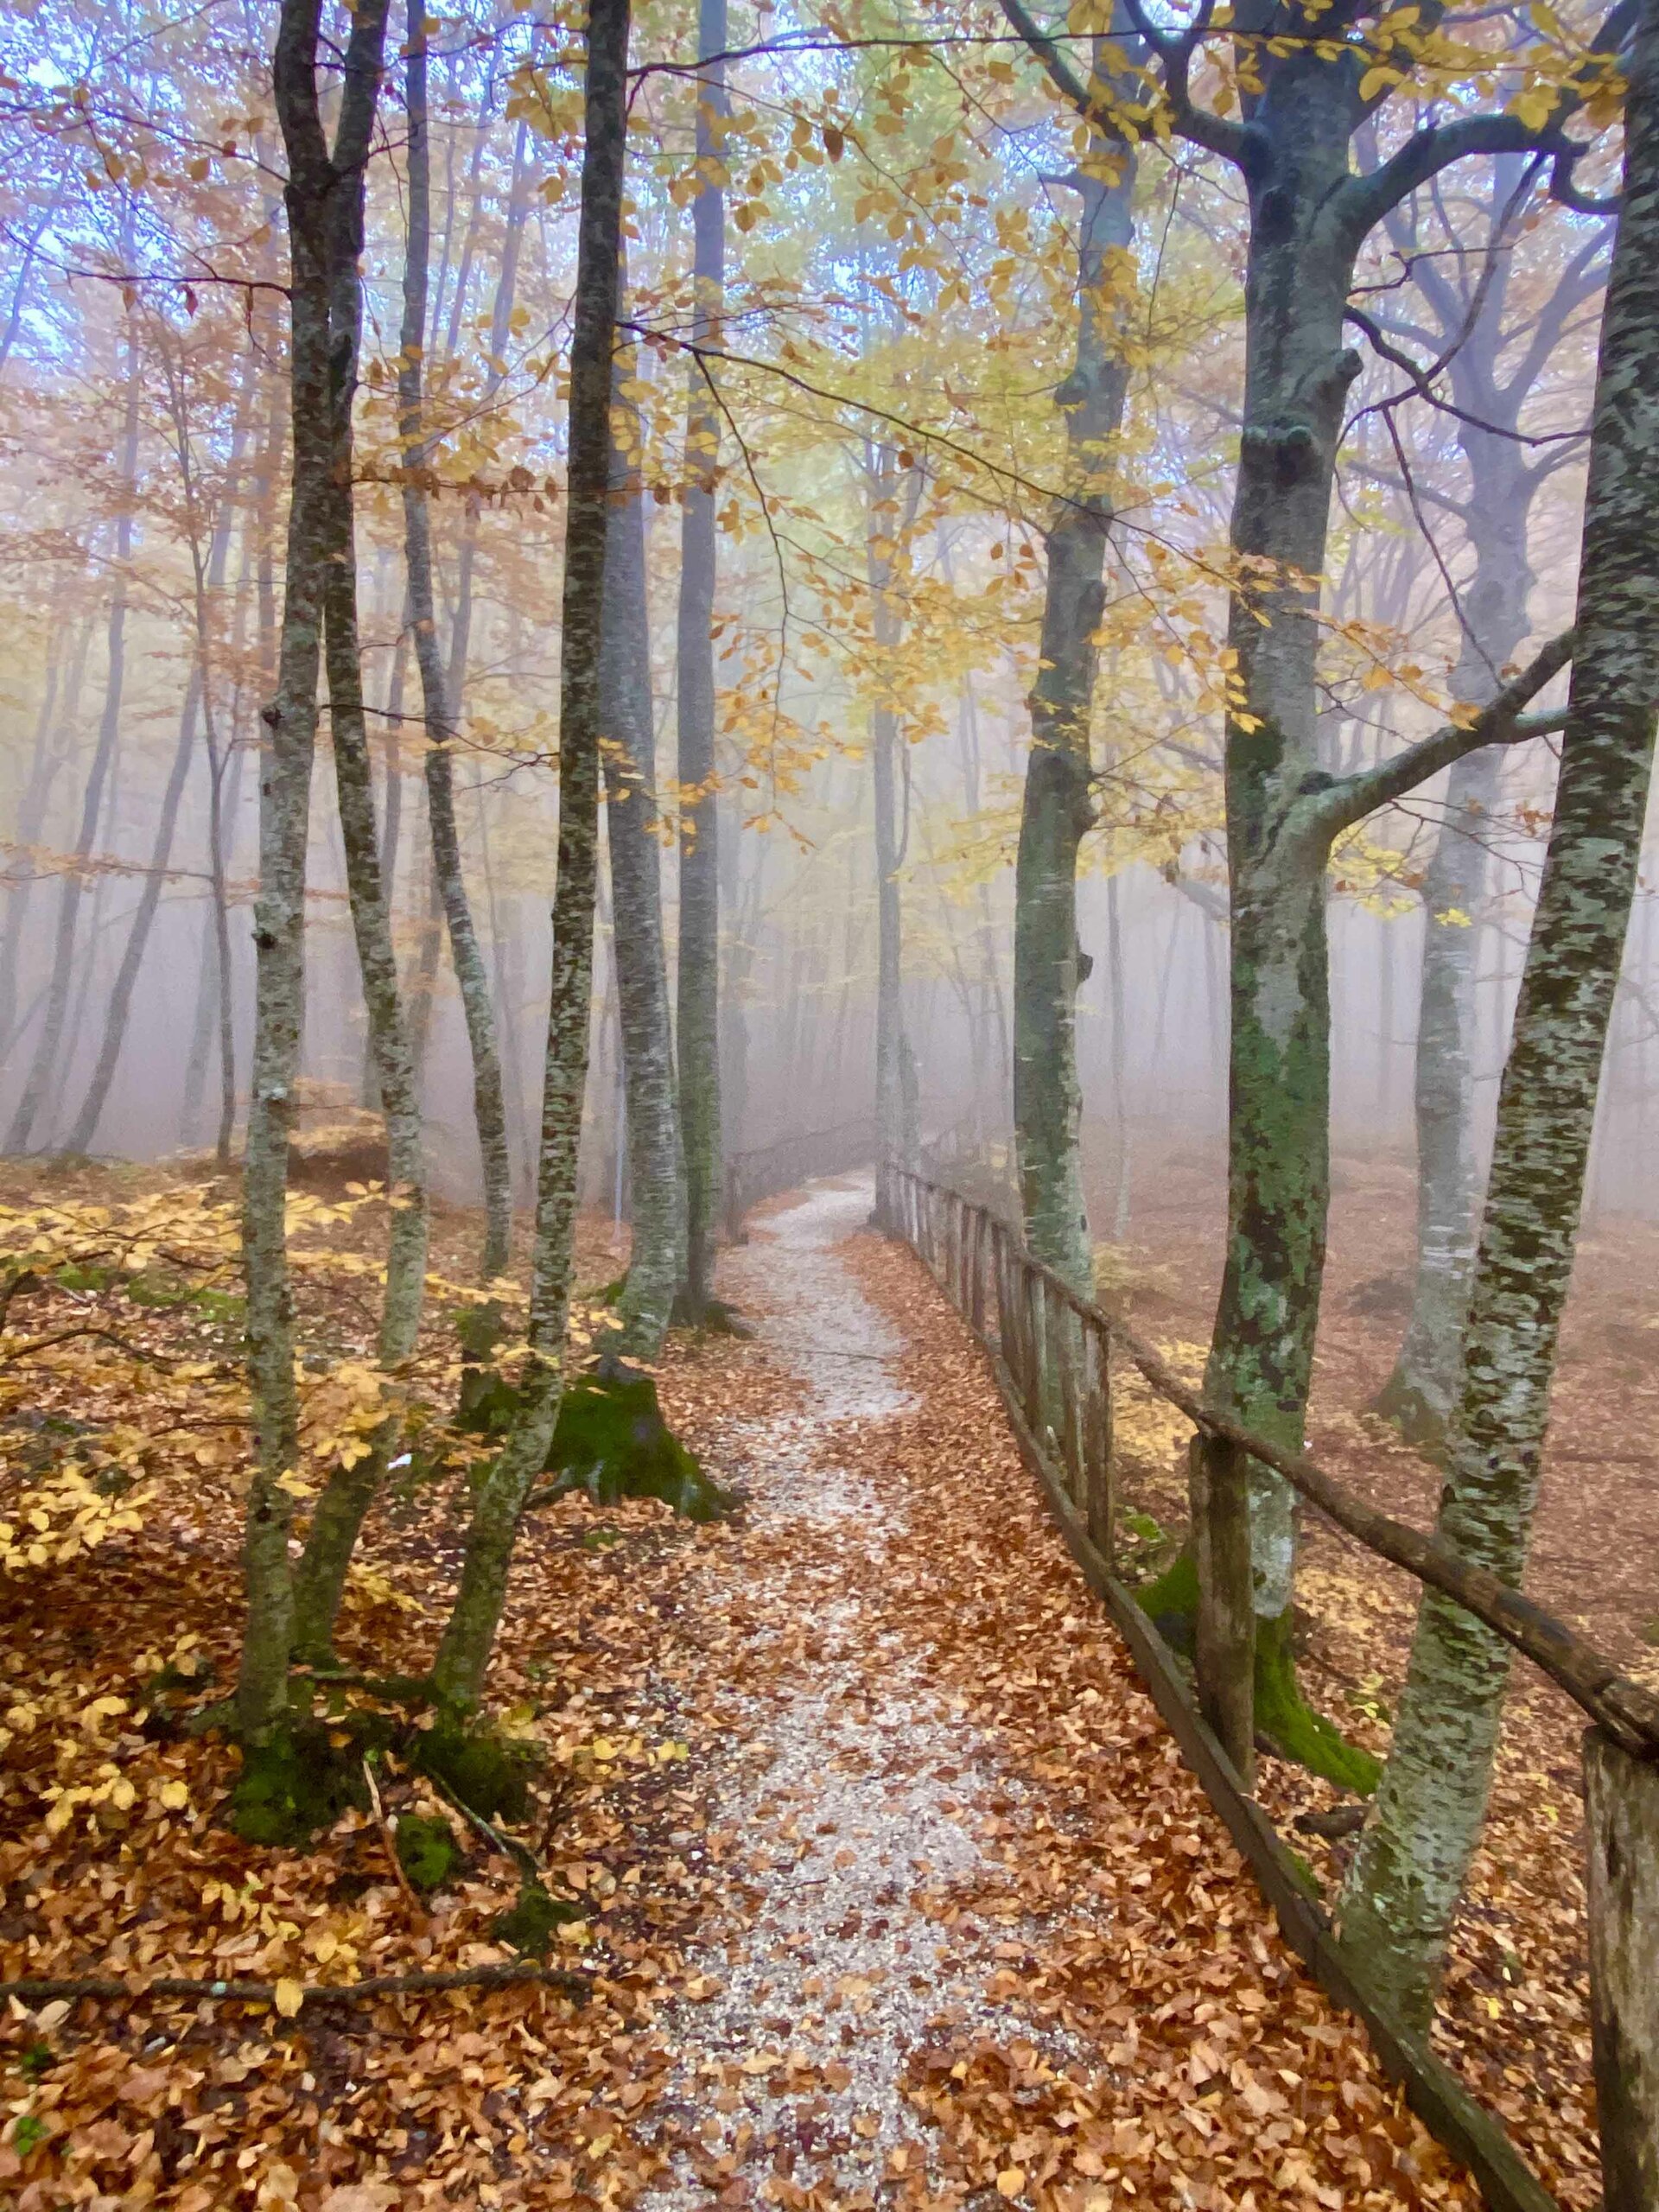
x=839 y=1970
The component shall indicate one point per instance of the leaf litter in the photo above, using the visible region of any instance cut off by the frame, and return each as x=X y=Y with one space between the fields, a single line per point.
x=890 y=1889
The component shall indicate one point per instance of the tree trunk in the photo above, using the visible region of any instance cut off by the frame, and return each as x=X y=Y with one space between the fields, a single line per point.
x=697 y=981
x=896 y=1131
x=1408 y=1873
x=464 y=1653
x=53 y=735
x=37 y=1085
x=324 y=198
x=1058 y=809
x=655 y=1163
x=489 y=1107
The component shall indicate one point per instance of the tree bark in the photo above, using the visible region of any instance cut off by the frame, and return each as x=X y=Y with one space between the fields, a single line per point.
x=656 y=1162
x=464 y=1653
x=324 y=198
x=697 y=980
x=1413 y=1860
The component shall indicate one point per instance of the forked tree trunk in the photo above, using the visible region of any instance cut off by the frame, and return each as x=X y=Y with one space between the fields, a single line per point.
x=656 y=1163
x=464 y=1653
x=324 y=197
x=697 y=980
x=1408 y=1873
x=349 y=1491
x=489 y=1107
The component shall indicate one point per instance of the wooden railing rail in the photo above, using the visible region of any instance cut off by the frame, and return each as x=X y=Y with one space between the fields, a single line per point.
x=1052 y=1353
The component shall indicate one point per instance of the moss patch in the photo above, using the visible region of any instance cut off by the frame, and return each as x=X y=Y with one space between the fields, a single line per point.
x=426 y=1850
x=533 y=1924
x=296 y=1785
x=1290 y=1723
x=488 y=1773
x=1171 y=1604
x=613 y=1442
x=1284 y=1718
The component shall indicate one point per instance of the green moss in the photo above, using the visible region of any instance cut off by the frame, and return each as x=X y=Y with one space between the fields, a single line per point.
x=613 y=1442
x=487 y=1772
x=1290 y=1723
x=426 y=1850
x=296 y=1785
x=1283 y=1716
x=532 y=1923
x=1171 y=1604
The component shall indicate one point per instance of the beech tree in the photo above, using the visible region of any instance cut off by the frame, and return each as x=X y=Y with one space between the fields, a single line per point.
x=324 y=200
x=1413 y=1860
x=1306 y=80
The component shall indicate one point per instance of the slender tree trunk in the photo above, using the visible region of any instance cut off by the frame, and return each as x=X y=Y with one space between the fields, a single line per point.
x=1413 y=1860
x=898 y=1136
x=324 y=198
x=464 y=1653
x=53 y=733
x=1058 y=803
x=208 y=579
x=43 y=1068
x=697 y=980
x=489 y=1109
x=655 y=1163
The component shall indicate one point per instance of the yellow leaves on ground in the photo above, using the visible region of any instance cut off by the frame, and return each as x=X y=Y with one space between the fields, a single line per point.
x=290 y=1996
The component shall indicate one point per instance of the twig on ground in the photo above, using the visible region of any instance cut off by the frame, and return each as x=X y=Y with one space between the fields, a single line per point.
x=39 y=1990
x=391 y=1842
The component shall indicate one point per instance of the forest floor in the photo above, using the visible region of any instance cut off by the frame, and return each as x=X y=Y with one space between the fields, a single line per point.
x=892 y=1890
x=1515 y=2013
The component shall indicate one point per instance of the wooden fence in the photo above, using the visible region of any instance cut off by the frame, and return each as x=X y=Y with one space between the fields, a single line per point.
x=1052 y=1353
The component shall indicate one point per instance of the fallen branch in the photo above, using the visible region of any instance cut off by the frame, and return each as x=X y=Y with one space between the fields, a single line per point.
x=42 y=1989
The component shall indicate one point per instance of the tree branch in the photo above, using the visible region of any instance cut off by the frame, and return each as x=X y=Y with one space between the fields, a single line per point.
x=1501 y=721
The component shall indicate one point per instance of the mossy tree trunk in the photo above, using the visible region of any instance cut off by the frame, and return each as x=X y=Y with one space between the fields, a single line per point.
x=656 y=1163
x=324 y=198
x=1058 y=805
x=1413 y=1860
x=697 y=980
x=464 y=1652
x=1311 y=206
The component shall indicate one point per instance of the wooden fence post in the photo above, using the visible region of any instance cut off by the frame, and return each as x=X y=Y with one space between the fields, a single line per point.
x=1225 y=1654
x=1036 y=1350
x=1099 y=1488
x=1622 y=1803
x=978 y=1315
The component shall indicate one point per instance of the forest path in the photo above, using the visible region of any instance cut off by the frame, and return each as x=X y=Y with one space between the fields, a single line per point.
x=978 y=1937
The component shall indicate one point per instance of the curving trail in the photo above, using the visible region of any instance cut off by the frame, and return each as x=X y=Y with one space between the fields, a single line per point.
x=980 y=1938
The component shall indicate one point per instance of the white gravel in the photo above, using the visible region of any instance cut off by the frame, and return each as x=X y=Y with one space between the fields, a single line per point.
x=869 y=1796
